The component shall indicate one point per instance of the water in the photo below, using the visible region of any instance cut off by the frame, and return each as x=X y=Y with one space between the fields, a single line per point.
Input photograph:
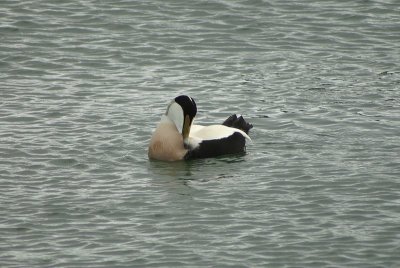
x=84 y=83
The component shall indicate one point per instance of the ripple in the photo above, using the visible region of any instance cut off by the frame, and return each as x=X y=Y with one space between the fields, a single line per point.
x=84 y=84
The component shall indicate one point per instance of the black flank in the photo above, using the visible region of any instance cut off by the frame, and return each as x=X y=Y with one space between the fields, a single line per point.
x=233 y=144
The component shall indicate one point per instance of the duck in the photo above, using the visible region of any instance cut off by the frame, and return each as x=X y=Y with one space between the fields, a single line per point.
x=176 y=138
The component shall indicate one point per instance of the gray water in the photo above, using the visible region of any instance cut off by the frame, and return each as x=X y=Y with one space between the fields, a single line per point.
x=84 y=83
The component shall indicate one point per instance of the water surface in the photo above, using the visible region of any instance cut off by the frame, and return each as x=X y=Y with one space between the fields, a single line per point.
x=83 y=85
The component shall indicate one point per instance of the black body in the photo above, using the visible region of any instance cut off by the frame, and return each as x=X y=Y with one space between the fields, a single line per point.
x=233 y=144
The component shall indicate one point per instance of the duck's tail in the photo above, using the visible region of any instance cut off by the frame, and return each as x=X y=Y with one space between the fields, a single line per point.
x=238 y=122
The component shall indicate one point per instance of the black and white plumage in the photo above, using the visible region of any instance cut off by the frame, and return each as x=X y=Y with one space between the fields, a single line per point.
x=176 y=138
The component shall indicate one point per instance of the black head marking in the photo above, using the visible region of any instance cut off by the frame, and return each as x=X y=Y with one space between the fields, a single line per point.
x=188 y=105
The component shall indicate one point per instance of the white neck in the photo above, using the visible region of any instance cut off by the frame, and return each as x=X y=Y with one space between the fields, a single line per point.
x=166 y=120
x=175 y=114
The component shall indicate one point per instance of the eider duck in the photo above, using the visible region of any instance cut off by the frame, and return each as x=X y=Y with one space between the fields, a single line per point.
x=176 y=138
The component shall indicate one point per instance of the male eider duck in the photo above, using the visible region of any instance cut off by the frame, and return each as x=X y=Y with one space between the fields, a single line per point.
x=175 y=138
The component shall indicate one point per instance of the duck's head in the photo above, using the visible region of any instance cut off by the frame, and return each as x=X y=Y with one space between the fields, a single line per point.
x=182 y=111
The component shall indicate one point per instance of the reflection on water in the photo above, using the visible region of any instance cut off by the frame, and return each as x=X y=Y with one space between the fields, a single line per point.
x=177 y=169
x=198 y=169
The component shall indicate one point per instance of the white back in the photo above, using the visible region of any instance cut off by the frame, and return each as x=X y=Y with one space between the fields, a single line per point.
x=214 y=132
